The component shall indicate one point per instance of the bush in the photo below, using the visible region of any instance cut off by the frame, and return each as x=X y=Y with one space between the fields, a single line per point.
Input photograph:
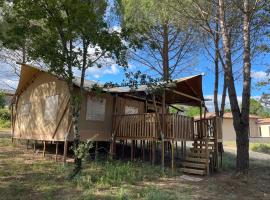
x=5 y=114
x=261 y=148
x=5 y=124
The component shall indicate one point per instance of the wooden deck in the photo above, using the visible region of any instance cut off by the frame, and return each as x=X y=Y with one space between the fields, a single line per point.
x=176 y=127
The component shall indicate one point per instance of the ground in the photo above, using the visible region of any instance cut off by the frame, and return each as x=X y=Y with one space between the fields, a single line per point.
x=25 y=175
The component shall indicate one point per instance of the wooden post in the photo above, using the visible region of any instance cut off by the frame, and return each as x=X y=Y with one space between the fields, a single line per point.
x=34 y=146
x=96 y=151
x=56 y=151
x=65 y=151
x=27 y=144
x=185 y=149
x=123 y=149
x=132 y=150
x=135 y=149
x=176 y=149
x=207 y=156
x=163 y=127
x=182 y=149
x=44 y=148
x=150 y=152
x=143 y=151
x=172 y=151
x=153 y=152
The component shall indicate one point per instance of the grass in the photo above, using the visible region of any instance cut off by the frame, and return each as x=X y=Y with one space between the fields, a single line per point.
x=24 y=175
x=261 y=148
x=257 y=147
x=5 y=125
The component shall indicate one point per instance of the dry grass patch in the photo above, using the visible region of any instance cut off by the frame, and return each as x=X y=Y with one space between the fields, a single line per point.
x=24 y=175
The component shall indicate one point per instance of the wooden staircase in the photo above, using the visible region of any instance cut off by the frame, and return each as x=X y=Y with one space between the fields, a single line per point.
x=200 y=158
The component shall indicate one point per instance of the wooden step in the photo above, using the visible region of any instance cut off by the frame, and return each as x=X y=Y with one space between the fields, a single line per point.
x=193 y=171
x=193 y=165
x=197 y=154
x=210 y=145
x=193 y=149
x=198 y=160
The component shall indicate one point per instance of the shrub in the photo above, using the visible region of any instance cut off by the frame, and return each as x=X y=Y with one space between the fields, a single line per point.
x=5 y=124
x=5 y=114
x=262 y=148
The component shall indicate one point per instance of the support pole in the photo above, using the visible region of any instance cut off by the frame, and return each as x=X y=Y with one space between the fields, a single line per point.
x=172 y=151
x=143 y=151
x=27 y=144
x=153 y=152
x=44 y=148
x=132 y=150
x=123 y=149
x=176 y=149
x=35 y=146
x=65 y=151
x=56 y=151
x=96 y=151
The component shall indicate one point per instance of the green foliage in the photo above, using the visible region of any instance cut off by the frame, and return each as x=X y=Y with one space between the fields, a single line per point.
x=261 y=148
x=2 y=100
x=257 y=108
x=5 y=124
x=116 y=173
x=192 y=111
x=82 y=151
x=5 y=114
x=151 y=26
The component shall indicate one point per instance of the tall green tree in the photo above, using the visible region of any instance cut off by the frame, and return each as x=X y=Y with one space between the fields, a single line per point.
x=166 y=43
x=248 y=11
x=2 y=100
x=69 y=35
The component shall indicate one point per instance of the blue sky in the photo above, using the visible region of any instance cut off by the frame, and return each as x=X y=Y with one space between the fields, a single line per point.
x=115 y=73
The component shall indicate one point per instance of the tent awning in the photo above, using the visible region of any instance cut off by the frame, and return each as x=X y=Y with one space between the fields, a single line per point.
x=187 y=91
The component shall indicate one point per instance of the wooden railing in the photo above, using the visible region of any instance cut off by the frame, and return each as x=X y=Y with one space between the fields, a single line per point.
x=179 y=127
x=211 y=127
x=145 y=126
x=136 y=126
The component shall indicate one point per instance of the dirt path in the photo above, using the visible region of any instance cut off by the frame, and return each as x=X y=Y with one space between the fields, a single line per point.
x=252 y=154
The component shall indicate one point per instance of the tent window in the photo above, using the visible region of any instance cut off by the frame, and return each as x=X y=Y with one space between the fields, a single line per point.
x=25 y=109
x=129 y=110
x=95 y=110
x=51 y=108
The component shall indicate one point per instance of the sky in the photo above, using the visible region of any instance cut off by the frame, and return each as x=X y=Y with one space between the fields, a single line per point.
x=115 y=73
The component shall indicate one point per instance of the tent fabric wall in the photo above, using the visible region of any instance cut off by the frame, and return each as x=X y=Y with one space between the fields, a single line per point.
x=31 y=122
x=33 y=125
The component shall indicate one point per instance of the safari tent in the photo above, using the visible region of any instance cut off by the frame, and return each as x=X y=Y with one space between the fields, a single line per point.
x=130 y=116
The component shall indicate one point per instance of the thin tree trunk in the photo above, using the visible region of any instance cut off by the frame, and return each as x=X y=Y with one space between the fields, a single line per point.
x=165 y=52
x=241 y=127
x=242 y=139
x=223 y=98
x=216 y=40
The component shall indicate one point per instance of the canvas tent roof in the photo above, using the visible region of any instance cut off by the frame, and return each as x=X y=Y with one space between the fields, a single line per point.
x=186 y=90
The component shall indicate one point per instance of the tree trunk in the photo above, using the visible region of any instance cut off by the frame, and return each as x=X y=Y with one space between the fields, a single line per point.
x=223 y=98
x=216 y=41
x=242 y=139
x=165 y=52
x=241 y=127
